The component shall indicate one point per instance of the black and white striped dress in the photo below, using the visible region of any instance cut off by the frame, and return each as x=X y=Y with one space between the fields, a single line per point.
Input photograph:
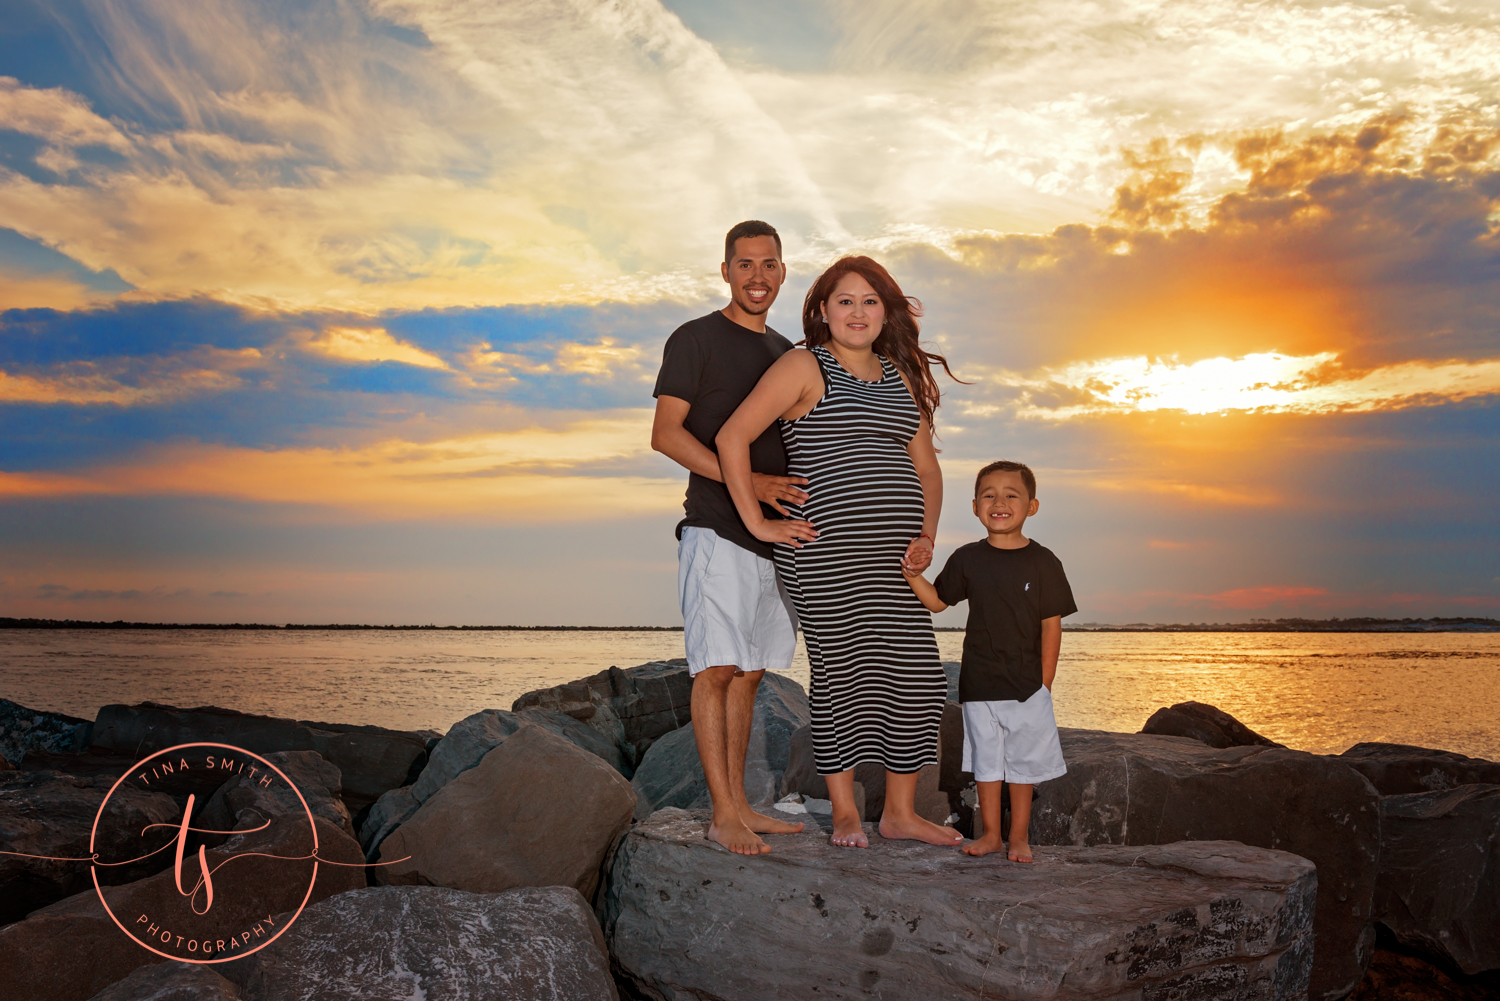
x=877 y=685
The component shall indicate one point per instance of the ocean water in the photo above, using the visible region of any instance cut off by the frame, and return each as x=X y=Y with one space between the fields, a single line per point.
x=1317 y=692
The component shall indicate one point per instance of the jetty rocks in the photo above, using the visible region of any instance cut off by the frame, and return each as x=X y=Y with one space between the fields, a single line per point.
x=555 y=850
x=1136 y=789
x=685 y=919
x=437 y=944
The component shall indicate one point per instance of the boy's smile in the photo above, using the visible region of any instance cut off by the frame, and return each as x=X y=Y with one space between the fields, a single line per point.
x=1003 y=507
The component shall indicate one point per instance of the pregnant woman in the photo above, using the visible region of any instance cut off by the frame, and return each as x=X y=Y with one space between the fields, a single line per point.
x=857 y=408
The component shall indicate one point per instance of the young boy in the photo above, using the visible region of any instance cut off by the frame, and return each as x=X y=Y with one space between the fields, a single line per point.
x=1017 y=594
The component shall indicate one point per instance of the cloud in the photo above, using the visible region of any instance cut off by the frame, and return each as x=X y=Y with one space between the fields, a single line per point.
x=370 y=344
x=458 y=152
x=582 y=470
x=1260 y=383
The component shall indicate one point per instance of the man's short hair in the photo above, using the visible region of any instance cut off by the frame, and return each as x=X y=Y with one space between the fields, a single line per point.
x=1006 y=466
x=750 y=227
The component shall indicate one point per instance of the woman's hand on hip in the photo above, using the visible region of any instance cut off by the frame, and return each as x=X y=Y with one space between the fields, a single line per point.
x=774 y=489
x=788 y=533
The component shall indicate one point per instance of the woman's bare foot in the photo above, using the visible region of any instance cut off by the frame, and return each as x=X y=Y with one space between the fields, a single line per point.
x=984 y=845
x=915 y=828
x=848 y=831
x=738 y=838
x=1019 y=851
x=762 y=824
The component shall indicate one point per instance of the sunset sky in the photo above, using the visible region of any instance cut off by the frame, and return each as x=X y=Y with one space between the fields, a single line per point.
x=349 y=310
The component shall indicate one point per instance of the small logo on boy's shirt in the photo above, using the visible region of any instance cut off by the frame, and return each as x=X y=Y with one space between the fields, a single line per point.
x=1028 y=586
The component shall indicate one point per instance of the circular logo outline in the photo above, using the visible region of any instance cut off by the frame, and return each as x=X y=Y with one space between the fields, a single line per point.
x=312 y=826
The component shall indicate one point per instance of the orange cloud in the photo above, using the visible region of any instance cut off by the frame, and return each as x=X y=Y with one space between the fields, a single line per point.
x=535 y=474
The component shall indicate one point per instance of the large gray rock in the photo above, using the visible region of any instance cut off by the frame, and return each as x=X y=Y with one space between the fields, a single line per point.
x=1398 y=769
x=317 y=780
x=435 y=943
x=685 y=919
x=50 y=814
x=71 y=950
x=1136 y=789
x=464 y=746
x=1203 y=722
x=171 y=982
x=1439 y=886
x=370 y=759
x=671 y=773
x=537 y=811
x=23 y=730
x=632 y=708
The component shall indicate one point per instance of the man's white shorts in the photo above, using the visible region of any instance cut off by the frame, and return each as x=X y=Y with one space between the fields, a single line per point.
x=734 y=610
x=1013 y=741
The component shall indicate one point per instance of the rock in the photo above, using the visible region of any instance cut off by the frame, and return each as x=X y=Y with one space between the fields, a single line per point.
x=440 y=944
x=171 y=982
x=71 y=950
x=1136 y=789
x=317 y=780
x=1398 y=769
x=671 y=773
x=536 y=811
x=23 y=730
x=51 y=814
x=465 y=745
x=370 y=759
x=472 y=738
x=1439 y=885
x=1200 y=721
x=386 y=814
x=1393 y=976
x=632 y=708
x=685 y=919
x=939 y=786
x=6 y=766
x=952 y=668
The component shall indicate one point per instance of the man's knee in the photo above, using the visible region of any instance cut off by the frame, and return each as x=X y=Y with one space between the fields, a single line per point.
x=716 y=677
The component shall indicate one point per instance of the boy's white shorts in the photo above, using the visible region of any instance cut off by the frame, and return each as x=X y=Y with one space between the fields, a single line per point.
x=1013 y=741
x=734 y=610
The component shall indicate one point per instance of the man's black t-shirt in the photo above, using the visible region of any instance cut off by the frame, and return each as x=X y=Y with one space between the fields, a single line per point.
x=1010 y=592
x=713 y=363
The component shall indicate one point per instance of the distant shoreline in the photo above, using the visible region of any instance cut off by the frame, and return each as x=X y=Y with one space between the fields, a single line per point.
x=1358 y=625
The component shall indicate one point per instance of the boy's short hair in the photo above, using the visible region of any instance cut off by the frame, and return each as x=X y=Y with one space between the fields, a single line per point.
x=1006 y=466
x=750 y=227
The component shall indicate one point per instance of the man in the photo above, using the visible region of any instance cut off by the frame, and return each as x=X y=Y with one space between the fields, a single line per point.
x=737 y=621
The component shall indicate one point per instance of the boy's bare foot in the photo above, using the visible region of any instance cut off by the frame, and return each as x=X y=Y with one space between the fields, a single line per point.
x=737 y=838
x=918 y=829
x=1019 y=851
x=762 y=824
x=984 y=845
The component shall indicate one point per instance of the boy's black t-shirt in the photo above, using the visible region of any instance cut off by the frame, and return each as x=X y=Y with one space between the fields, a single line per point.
x=713 y=363
x=1010 y=592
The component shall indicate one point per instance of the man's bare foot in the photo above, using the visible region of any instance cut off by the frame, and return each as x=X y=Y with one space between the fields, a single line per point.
x=738 y=838
x=917 y=829
x=1019 y=851
x=984 y=845
x=762 y=824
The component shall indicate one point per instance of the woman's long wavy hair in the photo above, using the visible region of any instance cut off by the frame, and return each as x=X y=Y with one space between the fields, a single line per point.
x=898 y=335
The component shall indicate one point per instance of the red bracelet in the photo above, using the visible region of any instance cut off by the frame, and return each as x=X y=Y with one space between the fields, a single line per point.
x=924 y=535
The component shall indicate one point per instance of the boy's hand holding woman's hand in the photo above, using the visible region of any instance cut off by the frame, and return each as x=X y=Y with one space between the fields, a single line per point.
x=918 y=556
